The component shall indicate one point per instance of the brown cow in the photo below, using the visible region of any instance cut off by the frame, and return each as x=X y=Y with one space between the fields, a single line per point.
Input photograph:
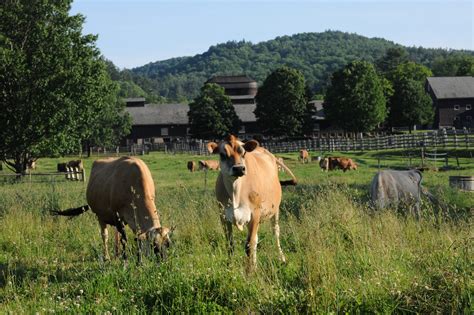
x=191 y=166
x=346 y=164
x=329 y=163
x=249 y=190
x=209 y=165
x=304 y=156
x=120 y=192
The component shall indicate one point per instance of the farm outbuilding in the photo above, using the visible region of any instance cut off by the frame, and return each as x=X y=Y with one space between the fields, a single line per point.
x=453 y=99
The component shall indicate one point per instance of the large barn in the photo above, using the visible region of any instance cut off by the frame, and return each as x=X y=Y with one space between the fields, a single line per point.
x=453 y=99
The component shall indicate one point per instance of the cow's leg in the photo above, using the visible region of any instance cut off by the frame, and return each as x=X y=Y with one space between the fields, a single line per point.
x=228 y=233
x=123 y=238
x=276 y=230
x=105 y=239
x=251 y=244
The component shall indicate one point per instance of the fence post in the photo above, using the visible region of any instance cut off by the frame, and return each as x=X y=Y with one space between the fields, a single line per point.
x=466 y=137
x=455 y=138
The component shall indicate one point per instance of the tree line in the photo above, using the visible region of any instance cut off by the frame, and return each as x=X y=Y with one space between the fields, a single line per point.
x=360 y=97
x=315 y=55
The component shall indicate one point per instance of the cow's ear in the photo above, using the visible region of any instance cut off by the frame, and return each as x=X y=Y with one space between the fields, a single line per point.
x=251 y=145
x=212 y=147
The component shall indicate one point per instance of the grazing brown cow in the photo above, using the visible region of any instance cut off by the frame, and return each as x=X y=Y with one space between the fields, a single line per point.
x=120 y=192
x=329 y=163
x=346 y=164
x=209 y=165
x=249 y=190
x=191 y=166
x=304 y=156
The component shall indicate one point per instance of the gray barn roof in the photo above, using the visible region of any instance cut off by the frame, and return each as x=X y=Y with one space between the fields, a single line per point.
x=162 y=114
x=177 y=114
x=452 y=87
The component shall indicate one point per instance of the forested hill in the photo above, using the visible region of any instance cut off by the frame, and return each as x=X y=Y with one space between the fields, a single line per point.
x=317 y=55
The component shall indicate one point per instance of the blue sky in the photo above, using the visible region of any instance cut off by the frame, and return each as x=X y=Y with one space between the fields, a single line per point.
x=133 y=33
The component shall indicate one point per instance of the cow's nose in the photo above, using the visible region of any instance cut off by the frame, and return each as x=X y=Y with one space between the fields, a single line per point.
x=238 y=170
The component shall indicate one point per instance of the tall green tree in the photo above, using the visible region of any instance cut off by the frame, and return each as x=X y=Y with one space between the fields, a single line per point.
x=410 y=104
x=55 y=92
x=355 y=99
x=211 y=114
x=282 y=103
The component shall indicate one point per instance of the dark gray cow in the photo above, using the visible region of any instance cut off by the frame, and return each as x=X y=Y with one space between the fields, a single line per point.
x=392 y=188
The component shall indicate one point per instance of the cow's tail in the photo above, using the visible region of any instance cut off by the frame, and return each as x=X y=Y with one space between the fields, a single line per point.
x=292 y=181
x=72 y=212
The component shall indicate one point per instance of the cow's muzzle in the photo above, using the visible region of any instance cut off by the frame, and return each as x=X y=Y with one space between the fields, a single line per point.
x=238 y=170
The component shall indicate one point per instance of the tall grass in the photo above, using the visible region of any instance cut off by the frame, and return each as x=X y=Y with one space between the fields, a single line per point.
x=342 y=257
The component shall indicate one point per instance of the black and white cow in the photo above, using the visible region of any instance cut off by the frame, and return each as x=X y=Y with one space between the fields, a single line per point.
x=395 y=188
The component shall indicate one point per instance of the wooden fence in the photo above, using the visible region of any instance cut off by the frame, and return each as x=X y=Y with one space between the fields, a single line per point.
x=72 y=174
x=445 y=139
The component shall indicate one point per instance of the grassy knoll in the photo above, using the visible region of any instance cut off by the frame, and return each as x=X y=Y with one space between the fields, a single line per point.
x=341 y=256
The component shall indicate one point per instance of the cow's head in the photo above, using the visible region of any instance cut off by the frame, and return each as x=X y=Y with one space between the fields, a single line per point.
x=232 y=154
x=161 y=238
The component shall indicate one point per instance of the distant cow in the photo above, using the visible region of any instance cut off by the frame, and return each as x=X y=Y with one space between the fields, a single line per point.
x=392 y=188
x=248 y=190
x=346 y=164
x=209 y=165
x=191 y=166
x=329 y=163
x=304 y=156
x=120 y=192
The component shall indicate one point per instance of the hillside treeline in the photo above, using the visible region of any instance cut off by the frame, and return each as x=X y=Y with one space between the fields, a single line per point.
x=316 y=55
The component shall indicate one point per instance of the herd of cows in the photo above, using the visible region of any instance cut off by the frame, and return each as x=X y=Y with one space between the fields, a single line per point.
x=121 y=192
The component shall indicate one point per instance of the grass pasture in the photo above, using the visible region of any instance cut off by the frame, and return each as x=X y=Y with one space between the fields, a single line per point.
x=341 y=256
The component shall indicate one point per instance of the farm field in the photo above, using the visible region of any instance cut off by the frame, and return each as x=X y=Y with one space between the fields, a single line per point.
x=341 y=256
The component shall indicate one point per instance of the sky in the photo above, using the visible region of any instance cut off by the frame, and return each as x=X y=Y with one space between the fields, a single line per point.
x=133 y=33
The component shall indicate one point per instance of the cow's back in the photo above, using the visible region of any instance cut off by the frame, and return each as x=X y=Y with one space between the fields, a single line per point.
x=122 y=185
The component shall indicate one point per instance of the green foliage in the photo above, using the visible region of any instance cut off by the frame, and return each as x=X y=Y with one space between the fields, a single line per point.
x=454 y=65
x=355 y=99
x=410 y=104
x=54 y=87
x=316 y=55
x=211 y=114
x=392 y=58
x=282 y=103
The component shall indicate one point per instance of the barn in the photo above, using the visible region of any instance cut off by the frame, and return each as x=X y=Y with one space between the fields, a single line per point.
x=453 y=99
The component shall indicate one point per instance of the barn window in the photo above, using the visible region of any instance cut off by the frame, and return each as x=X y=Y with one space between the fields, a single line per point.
x=456 y=107
x=242 y=129
x=188 y=131
x=468 y=107
x=468 y=118
x=164 y=131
